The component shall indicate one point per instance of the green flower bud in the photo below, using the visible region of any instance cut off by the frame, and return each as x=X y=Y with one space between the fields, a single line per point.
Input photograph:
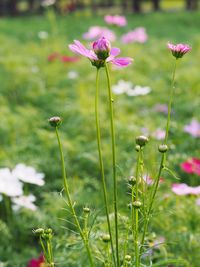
x=163 y=148
x=137 y=204
x=55 y=121
x=48 y=231
x=128 y=258
x=106 y=238
x=38 y=231
x=137 y=148
x=132 y=180
x=141 y=140
x=86 y=210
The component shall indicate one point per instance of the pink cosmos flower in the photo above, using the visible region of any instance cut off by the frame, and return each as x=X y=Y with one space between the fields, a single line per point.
x=198 y=201
x=178 y=50
x=138 y=35
x=191 y=166
x=162 y=108
x=55 y=55
x=115 y=20
x=96 y=32
x=96 y=56
x=39 y=262
x=159 y=134
x=184 y=189
x=193 y=128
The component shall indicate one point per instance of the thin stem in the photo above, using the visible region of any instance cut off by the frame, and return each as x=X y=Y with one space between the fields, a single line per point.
x=170 y=103
x=98 y=133
x=163 y=158
x=136 y=215
x=85 y=241
x=113 y=163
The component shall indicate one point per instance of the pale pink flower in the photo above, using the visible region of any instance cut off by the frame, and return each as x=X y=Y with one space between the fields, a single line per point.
x=193 y=128
x=25 y=202
x=198 y=201
x=78 y=48
x=184 y=189
x=138 y=35
x=178 y=50
x=115 y=20
x=96 y=32
x=162 y=108
x=191 y=166
x=159 y=134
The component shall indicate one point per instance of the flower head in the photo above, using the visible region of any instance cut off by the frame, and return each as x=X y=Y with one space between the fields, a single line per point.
x=95 y=32
x=39 y=262
x=28 y=174
x=193 y=128
x=25 y=202
x=191 y=166
x=95 y=58
x=116 y=20
x=184 y=189
x=178 y=50
x=138 y=35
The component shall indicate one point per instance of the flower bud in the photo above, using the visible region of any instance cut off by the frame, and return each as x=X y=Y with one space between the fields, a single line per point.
x=179 y=50
x=137 y=204
x=55 y=121
x=86 y=210
x=128 y=258
x=102 y=48
x=141 y=140
x=106 y=238
x=162 y=148
x=38 y=231
x=132 y=180
x=48 y=231
x=137 y=148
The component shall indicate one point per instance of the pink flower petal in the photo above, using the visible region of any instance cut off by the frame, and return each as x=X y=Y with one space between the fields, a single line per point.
x=122 y=62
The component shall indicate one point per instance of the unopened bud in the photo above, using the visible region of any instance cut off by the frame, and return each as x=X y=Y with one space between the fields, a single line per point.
x=137 y=148
x=162 y=148
x=128 y=258
x=55 y=121
x=141 y=140
x=38 y=231
x=132 y=180
x=86 y=210
x=48 y=231
x=137 y=204
x=106 y=238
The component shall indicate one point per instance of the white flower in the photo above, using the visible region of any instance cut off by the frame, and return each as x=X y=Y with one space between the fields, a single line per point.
x=72 y=74
x=28 y=174
x=46 y=3
x=138 y=90
x=122 y=87
x=25 y=202
x=9 y=184
x=43 y=35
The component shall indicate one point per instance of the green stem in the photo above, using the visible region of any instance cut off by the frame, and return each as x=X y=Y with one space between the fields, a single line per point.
x=163 y=158
x=85 y=241
x=98 y=133
x=113 y=163
x=136 y=215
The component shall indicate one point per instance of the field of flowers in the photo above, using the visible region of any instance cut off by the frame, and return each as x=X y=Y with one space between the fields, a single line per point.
x=40 y=77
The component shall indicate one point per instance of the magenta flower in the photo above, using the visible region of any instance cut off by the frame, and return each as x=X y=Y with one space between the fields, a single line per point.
x=178 y=50
x=94 y=56
x=138 y=35
x=191 y=166
x=193 y=128
x=184 y=189
x=116 y=20
x=39 y=262
x=96 y=32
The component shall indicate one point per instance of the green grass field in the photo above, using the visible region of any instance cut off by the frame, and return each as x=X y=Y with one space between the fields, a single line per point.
x=32 y=89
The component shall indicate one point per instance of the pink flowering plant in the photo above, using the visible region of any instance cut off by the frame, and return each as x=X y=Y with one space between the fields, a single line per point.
x=126 y=239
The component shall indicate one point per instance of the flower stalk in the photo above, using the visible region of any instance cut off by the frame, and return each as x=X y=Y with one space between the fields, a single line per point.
x=98 y=133
x=71 y=205
x=115 y=202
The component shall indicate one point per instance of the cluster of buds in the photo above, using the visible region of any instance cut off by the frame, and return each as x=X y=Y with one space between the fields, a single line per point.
x=45 y=234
